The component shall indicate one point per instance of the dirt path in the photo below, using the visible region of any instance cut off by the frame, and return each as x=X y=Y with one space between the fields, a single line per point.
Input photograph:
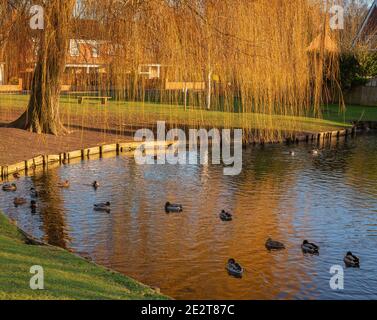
x=18 y=145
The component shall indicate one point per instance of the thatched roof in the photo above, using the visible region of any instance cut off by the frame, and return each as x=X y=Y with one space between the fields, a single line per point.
x=329 y=45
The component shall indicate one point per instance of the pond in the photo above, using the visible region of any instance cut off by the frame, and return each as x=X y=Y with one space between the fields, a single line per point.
x=330 y=199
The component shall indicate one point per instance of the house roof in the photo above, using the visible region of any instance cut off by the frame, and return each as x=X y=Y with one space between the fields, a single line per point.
x=369 y=25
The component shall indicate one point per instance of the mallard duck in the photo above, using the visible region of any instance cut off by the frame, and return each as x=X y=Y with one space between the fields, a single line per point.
x=16 y=175
x=310 y=248
x=274 y=245
x=64 y=184
x=315 y=152
x=292 y=153
x=171 y=207
x=351 y=260
x=34 y=193
x=102 y=207
x=9 y=187
x=234 y=268
x=33 y=205
x=95 y=185
x=225 y=216
x=19 y=201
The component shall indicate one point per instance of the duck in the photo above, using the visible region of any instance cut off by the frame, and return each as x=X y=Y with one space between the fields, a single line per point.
x=274 y=245
x=34 y=193
x=171 y=207
x=225 y=216
x=102 y=207
x=234 y=268
x=64 y=184
x=310 y=248
x=19 y=201
x=9 y=187
x=33 y=205
x=95 y=185
x=351 y=260
x=16 y=175
x=315 y=152
x=292 y=153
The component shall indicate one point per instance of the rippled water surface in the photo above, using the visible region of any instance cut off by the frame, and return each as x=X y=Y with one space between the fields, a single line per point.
x=330 y=199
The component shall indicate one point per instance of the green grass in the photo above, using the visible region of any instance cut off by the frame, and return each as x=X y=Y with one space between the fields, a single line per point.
x=352 y=113
x=138 y=113
x=66 y=275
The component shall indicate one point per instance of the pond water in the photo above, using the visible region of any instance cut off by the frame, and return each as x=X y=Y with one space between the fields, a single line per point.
x=330 y=199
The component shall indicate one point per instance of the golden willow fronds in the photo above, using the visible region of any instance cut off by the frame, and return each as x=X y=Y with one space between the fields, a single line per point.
x=271 y=58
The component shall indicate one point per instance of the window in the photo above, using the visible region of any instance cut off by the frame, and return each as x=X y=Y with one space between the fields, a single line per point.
x=1 y=74
x=74 y=49
x=95 y=51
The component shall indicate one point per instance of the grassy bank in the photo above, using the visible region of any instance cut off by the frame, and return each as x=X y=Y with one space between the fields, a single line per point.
x=352 y=113
x=66 y=275
x=120 y=113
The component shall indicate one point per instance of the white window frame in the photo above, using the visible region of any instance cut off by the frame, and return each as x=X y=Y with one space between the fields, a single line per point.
x=74 y=48
x=1 y=73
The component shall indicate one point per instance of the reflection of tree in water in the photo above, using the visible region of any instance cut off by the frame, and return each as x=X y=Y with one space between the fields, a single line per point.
x=51 y=208
x=362 y=166
x=354 y=158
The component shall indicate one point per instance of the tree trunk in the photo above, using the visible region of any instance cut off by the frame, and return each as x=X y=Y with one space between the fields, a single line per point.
x=42 y=114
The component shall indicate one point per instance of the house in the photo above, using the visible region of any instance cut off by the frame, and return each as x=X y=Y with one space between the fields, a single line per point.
x=367 y=35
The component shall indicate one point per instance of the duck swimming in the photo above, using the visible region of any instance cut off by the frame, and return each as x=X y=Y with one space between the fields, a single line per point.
x=225 y=216
x=95 y=185
x=19 y=201
x=9 y=187
x=274 y=245
x=16 y=175
x=34 y=193
x=292 y=153
x=351 y=260
x=65 y=184
x=315 y=152
x=171 y=207
x=310 y=248
x=102 y=207
x=33 y=205
x=234 y=268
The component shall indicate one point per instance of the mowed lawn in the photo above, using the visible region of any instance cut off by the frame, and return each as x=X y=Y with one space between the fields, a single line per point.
x=121 y=113
x=66 y=275
x=352 y=113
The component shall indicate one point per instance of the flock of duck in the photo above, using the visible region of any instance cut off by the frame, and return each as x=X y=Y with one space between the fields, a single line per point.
x=34 y=195
x=233 y=267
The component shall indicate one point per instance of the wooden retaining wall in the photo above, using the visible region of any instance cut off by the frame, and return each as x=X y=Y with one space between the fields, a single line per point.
x=99 y=151
x=47 y=160
x=322 y=136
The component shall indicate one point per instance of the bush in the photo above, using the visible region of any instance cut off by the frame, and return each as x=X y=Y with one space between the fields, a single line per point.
x=357 y=69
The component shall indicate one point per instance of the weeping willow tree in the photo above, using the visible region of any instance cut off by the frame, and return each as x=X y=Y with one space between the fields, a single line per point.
x=42 y=114
x=259 y=57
